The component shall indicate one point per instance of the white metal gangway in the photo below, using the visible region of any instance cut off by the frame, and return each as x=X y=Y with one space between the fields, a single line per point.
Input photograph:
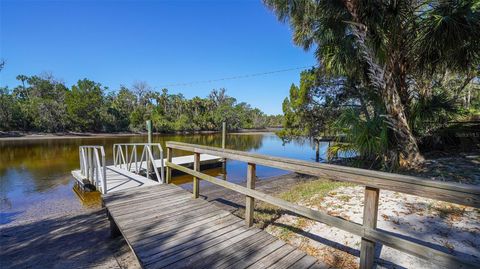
x=125 y=156
x=127 y=171
x=93 y=167
x=134 y=165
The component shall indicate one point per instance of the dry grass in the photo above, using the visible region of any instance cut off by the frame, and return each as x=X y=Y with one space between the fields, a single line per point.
x=308 y=193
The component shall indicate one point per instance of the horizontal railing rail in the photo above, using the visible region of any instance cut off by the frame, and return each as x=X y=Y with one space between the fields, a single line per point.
x=373 y=182
x=445 y=191
x=125 y=156
x=93 y=166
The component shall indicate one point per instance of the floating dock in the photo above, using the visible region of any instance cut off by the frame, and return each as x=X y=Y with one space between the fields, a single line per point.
x=118 y=178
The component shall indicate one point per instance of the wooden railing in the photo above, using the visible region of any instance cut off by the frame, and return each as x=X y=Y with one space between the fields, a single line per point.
x=125 y=156
x=92 y=166
x=372 y=180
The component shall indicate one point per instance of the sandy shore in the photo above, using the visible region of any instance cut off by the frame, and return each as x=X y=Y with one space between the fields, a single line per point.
x=448 y=227
x=33 y=136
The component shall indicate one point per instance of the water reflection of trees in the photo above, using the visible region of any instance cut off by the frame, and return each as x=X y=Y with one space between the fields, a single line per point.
x=300 y=141
x=237 y=142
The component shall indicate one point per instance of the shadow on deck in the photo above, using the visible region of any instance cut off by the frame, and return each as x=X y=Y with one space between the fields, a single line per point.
x=78 y=241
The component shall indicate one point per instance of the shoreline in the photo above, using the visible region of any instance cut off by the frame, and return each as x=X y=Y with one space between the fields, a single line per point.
x=12 y=136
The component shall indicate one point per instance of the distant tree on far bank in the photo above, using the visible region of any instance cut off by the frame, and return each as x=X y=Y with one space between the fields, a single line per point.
x=43 y=104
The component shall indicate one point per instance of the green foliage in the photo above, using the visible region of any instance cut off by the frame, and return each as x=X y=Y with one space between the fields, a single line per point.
x=42 y=104
x=312 y=106
x=413 y=62
x=10 y=114
x=428 y=113
x=84 y=103
x=366 y=137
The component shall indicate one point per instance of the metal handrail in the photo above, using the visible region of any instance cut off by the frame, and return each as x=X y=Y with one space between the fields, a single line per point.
x=125 y=156
x=93 y=166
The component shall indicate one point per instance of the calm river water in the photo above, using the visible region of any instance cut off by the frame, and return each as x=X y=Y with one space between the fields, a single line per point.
x=35 y=174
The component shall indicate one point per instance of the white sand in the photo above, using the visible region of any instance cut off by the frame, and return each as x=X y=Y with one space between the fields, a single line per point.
x=453 y=228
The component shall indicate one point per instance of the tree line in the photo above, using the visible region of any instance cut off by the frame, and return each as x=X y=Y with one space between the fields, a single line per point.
x=389 y=72
x=44 y=104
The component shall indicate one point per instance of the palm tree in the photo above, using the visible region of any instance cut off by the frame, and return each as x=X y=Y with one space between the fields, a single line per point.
x=388 y=45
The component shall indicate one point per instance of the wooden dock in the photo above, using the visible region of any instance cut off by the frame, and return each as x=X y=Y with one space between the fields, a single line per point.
x=166 y=228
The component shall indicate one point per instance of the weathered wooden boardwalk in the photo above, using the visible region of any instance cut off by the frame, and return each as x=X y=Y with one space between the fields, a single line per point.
x=166 y=228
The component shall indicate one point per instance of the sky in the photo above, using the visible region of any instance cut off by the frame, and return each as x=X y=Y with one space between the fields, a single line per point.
x=164 y=43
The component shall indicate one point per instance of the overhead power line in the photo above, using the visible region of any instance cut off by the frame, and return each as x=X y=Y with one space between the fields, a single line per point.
x=234 y=77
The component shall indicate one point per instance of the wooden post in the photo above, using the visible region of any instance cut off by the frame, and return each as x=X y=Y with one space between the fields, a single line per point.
x=149 y=140
x=224 y=134
x=149 y=130
x=250 y=201
x=224 y=141
x=114 y=230
x=317 y=150
x=169 y=170
x=370 y=212
x=196 y=167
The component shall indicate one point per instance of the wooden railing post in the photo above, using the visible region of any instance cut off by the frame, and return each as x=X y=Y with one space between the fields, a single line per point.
x=224 y=134
x=250 y=201
x=370 y=212
x=196 y=167
x=169 y=170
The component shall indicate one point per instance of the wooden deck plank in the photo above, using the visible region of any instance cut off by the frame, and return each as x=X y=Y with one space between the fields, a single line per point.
x=160 y=228
x=130 y=200
x=174 y=220
x=161 y=201
x=167 y=231
x=185 y=259
x=304 y=262
x=145 y=208
x=257 y=255
x=183 y=236
x=171 y=253
x=232 y=254
x=165 y=227
x=319 y=265
x=158 y=214
x=138 y=191
x=289 y=260
x=273 y=257
x=153 y=209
